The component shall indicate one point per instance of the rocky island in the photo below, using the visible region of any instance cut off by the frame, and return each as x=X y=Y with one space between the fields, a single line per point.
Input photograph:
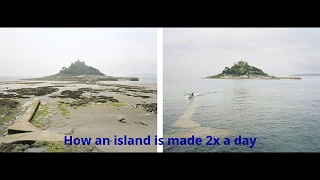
x=79 y=101
x=79 y=71
x=242 y=70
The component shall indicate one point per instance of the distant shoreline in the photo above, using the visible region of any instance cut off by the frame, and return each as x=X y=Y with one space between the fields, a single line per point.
x=306 y=75
x=143 y=80
x=82 y=78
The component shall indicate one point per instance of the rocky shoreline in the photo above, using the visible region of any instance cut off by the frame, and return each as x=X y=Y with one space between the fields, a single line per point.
x=45 y=147
x=80 y=109
x=252 y=77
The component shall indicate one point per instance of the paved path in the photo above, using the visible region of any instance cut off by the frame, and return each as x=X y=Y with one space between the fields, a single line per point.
x=23 y=130
x=43 y=136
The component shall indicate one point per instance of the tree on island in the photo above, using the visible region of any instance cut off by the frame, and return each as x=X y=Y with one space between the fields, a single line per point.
x=80 y=68
x=241 y=68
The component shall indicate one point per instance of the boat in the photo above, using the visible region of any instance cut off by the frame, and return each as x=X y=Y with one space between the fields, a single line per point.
x=190 y=95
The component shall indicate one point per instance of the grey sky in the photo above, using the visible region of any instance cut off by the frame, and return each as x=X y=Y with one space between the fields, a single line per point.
x=206 y=51
x=43 y=51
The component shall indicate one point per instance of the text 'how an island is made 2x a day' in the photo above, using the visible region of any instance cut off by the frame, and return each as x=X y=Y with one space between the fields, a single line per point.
x=125 y=140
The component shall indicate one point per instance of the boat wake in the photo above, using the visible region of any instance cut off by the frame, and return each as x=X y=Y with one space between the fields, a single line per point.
x=196 y=95
x=203 y=94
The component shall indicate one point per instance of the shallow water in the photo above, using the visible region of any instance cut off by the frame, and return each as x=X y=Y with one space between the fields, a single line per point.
x=283 y=115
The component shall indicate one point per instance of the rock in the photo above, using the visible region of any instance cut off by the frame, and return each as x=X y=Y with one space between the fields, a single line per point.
x=9 y=103
x=142 y=96
x=72 y=94
x=152 y=107
x=38 y=144
x=7 y=108
x=13 y=147
x=80 y=100
x=39 y=149
x=6 y=147
x=122 y=120
x=2 y=95
x=141 y=123
x=39 y=91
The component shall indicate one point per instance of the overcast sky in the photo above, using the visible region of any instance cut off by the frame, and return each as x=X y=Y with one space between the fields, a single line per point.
x=202 y=52
x=44 y=51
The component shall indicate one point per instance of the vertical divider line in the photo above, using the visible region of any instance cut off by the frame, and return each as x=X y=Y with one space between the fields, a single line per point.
x=159 y=87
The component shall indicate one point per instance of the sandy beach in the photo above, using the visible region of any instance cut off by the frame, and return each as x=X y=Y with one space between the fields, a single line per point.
x=98 y=110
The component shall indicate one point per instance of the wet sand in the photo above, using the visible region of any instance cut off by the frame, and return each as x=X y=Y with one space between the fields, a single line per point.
x=94 y=119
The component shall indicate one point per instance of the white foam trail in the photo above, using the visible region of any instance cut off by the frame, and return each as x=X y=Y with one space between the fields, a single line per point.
x=205 y=93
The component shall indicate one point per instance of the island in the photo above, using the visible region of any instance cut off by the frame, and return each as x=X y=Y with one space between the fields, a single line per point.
x=242 y=70
x=79 y=71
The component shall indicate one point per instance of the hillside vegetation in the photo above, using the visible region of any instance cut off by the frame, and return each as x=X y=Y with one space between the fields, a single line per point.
x=241 y=68
x=80 y=68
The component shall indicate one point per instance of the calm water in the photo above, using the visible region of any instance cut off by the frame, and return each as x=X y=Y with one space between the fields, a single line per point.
x=14 y=78
x=148 y=79
x=284 y=115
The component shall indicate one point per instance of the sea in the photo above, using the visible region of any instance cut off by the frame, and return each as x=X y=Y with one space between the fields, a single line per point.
x=281 y=115
x=15 y=78
x=148 y=79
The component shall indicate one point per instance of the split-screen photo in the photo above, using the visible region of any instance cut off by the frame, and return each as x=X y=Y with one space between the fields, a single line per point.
x=99 y=90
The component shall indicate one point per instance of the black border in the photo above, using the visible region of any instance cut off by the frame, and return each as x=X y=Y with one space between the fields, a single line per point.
x=159 y=156
x=157 y=18
x=110 y=165
x=159 y=14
